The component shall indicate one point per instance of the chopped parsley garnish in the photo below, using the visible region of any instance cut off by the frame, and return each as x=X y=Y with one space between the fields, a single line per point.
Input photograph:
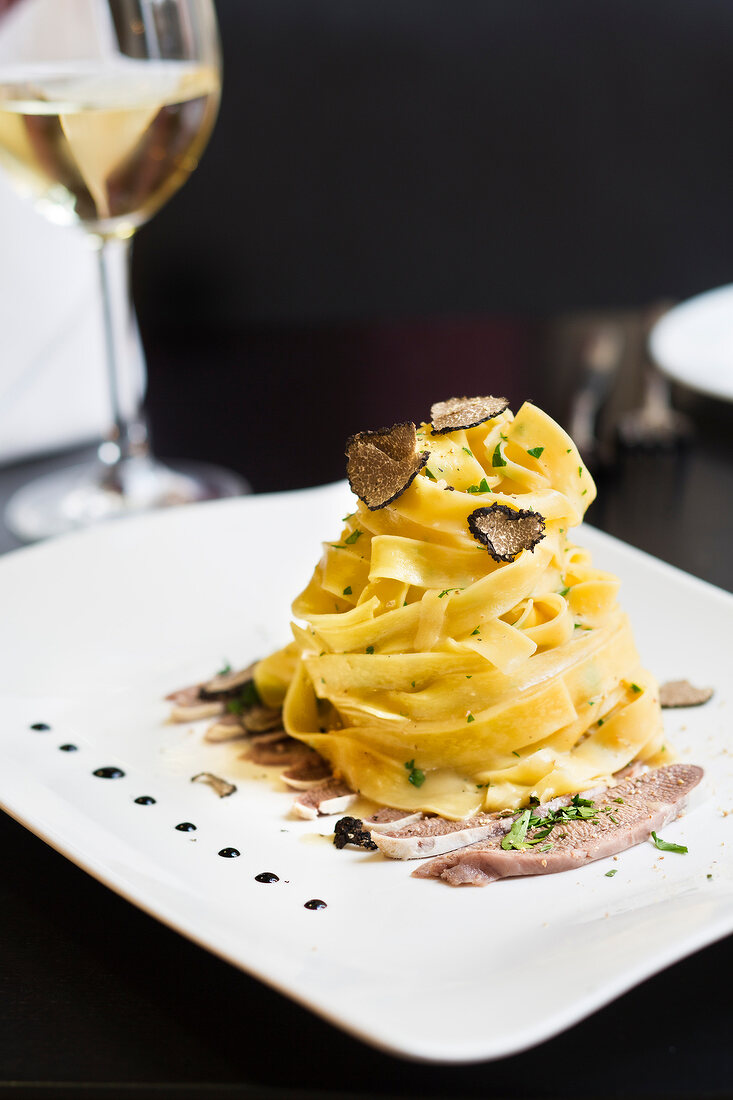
x=468 y=677
x=370 y=649
x=568 y=450
x=601 y=721
x=564 y=591
x=470 y=717
x=580 y=809
x=225 y=669
x=497 y=459
x=667 y=846
x=447 y=590
x=635 y=688
x=429 y=473
x=514 y=752
x=468 y=451
x=584 y=492
x=478 y=628
x=580 y=471
x=517 y=833
x=620 y=800
x=413 y=683
x=535 y=451
x=610 y=874
x=347 y=590
x=482 y=487
x=353 y=537
x=347 y=518
x=416 y=776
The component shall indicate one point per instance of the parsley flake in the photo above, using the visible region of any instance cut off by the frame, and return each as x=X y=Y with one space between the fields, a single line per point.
x=667 y=846
x=535 y=451
x=353 y=537
x=416 y=776
x=635 y=688
x=478 y=628
x=429 y=474
x=564 y=591
x=225 y=669
x=370 y=649
x=468 y=451
x=610 y=874
x=347 y=590
x=470 y=717
x=497 y=459
x=517 y=833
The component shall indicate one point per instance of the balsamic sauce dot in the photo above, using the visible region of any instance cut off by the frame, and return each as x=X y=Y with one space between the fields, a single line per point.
x=145 y=800
x=41 y=727
x=229 y=853
x=315 y=903
x=109 y=773
x=186 y=827
x=266 y=876
x=68 y=748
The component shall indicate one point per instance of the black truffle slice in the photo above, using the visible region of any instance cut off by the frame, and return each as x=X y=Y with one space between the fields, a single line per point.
x=681 y=693
x=349 y=831
x=382 y=464
x=465 y=412
x=505 y=531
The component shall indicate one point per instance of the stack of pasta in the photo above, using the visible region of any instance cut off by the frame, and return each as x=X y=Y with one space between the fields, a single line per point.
x=438 y=670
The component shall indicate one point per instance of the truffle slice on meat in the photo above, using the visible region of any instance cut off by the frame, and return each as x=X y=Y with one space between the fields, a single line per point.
x=465 y=412
x=382 y=464
x=505 y=531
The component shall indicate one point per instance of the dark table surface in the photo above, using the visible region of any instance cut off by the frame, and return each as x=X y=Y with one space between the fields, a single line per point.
x=98 y=999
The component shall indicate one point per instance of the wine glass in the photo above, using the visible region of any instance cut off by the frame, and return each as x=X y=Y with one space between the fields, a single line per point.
x=105 y=109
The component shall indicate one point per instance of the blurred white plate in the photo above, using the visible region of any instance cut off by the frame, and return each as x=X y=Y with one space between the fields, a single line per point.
x=135 y=608
x=693 y=343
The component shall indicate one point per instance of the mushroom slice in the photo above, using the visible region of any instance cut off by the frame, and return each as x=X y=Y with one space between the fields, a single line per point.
x=228 y=685
x=262 y=719
x=227 y=728
x=196 y=711
x=222 y=786
x=286 y=752
x=306 y=774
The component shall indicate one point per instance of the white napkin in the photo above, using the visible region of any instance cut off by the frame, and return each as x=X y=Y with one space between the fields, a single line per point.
x=52 y=374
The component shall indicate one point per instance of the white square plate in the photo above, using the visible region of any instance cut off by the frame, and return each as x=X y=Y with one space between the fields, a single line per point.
x=98 y=626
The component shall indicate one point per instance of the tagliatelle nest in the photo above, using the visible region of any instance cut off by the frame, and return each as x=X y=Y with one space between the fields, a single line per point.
x=465 y=412
x=504 y=531
x=382 y=464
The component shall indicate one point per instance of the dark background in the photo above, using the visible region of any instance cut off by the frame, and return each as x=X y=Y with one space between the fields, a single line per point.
x=400 y=194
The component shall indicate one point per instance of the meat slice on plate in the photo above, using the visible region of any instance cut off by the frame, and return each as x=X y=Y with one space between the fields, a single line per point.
x=331 y=797
x=434 y=835
x=627 y=814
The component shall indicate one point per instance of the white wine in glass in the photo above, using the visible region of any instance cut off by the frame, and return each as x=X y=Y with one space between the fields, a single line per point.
x=105 y=109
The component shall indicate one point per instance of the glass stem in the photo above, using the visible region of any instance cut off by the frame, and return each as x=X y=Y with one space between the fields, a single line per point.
x=128 y=436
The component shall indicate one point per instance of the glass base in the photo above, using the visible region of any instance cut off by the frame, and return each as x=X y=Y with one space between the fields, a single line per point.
x=92 y=493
